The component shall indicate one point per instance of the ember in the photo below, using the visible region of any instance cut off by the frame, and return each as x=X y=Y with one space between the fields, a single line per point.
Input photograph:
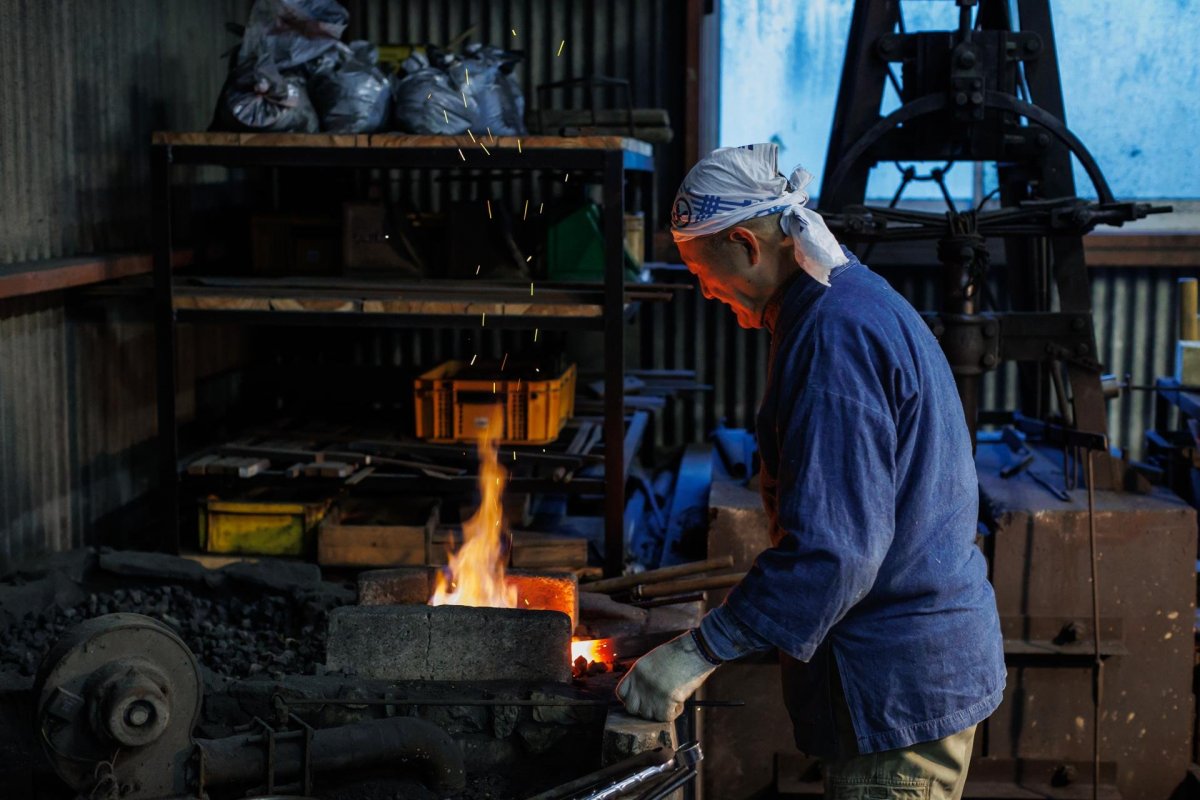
x=591 y=655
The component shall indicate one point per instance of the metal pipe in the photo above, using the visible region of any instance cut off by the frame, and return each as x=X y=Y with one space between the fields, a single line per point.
x=245 y=759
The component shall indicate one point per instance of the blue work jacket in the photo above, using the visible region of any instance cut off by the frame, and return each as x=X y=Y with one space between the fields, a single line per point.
x=869 y=484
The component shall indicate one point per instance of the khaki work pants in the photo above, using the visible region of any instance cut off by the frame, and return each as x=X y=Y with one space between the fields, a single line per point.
x=927 y=771
x=934 y=770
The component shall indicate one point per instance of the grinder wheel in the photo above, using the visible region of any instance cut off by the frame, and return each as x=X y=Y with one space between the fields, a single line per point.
x=117 y=698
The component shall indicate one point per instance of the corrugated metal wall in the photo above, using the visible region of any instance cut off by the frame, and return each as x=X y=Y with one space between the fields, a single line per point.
x=82 y=85
x=1135 y=317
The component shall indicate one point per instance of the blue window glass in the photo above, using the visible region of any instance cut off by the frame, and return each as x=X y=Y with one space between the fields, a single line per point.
x=1130 y=74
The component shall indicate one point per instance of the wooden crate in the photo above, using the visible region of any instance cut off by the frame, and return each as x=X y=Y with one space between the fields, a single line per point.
x=378 y=533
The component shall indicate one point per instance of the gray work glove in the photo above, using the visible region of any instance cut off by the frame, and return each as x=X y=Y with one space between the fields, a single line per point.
x=659 y=682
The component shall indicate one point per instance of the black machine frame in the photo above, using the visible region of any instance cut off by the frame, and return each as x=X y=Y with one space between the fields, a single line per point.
x=961 y=101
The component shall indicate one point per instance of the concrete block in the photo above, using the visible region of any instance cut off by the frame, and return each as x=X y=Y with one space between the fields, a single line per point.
x=538 y=591
x=450 y=643
x=626 y=736
x=398 y=586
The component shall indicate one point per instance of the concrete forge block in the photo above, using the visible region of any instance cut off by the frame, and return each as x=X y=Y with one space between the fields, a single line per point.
x=545 y=591
x=450 y=643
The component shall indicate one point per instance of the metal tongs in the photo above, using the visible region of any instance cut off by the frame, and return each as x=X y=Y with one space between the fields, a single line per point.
x=682 y=767
x=654 y=773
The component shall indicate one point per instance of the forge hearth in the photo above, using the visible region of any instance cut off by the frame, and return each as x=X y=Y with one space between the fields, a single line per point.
x=450 y=643
x=538 y=591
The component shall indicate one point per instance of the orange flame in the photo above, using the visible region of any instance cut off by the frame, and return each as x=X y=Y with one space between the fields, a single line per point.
x=476 y=571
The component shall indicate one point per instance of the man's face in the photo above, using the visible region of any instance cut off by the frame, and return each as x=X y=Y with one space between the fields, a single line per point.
x=730 y=273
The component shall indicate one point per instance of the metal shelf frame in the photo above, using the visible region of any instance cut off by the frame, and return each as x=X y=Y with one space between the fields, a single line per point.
x=610 y=162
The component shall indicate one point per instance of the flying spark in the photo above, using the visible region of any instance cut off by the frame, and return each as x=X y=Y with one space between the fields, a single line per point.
x=531 y=289
x=560 y=47
x=429 y=96
x=518 y=145
x=477 y=268
x=484 y=146
x=464 y=97
x=540 y=207
x=467 y=72
x=473 y=359
x=491 y=138
x=566 y=177
x=489 y=204
x=503 y=361
x=535 y=333
x=527 y=260
x=525 y=213
x=514 y=31
x=493 y=387
x=470 y=134
x=445 y=116
x=483 y=320
x=460 y=154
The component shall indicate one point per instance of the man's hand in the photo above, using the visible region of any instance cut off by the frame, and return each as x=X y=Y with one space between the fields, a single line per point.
x=660 y=681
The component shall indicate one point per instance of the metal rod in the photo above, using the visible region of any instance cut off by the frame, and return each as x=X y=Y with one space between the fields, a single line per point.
x=611 y=585
x=687 y=585
x=1097 y=662
x=446 y=701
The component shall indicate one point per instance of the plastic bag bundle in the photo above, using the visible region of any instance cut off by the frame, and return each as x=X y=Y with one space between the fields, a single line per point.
x=292 y=32
x=351 y=95
x=440 y=93
x=256 y=97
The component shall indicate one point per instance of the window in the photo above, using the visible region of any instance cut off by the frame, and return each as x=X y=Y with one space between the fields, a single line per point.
x=1130 y=75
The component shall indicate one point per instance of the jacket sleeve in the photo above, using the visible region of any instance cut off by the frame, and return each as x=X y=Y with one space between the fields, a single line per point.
x=836 y=514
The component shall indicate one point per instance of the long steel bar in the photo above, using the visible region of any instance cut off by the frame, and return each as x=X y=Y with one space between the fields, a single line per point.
x=614 y=363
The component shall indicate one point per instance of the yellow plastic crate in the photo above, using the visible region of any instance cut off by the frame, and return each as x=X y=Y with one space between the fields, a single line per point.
x=451 y=408
x=261 y=525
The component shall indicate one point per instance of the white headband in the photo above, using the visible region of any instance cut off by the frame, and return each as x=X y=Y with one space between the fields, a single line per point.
x=734 y=184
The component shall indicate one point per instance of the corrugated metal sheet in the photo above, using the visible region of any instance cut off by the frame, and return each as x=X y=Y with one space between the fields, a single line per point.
x=1135 y=318
x=82 y=85
x=642 y=42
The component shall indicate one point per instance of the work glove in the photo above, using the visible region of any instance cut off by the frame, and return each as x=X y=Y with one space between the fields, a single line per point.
x=659 y=682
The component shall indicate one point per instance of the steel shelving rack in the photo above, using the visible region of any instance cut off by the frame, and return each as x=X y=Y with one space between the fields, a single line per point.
x=614 y=163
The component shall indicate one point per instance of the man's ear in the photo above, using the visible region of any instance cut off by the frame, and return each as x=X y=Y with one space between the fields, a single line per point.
x=745 y=239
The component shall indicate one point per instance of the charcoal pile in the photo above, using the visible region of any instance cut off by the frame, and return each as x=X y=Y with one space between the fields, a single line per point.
x=251 y=626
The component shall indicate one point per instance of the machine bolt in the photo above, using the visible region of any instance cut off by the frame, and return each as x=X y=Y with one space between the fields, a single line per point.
x=1043 y=140
x=1081 y=349
x=1077 y=324
x=976 y=98
x=1032 y=45
x=139 y=713
x=977 y=84
x=966 y=59
x=938 y=330
x=989 y=360
x=961 y=98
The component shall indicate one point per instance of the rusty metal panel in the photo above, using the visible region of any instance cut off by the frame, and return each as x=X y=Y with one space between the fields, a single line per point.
x=1041 y=572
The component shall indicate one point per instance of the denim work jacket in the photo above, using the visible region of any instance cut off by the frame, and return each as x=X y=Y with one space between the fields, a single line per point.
x=869 y=484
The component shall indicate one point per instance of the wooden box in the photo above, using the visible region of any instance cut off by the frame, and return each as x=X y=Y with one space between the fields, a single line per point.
x=378 y=533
